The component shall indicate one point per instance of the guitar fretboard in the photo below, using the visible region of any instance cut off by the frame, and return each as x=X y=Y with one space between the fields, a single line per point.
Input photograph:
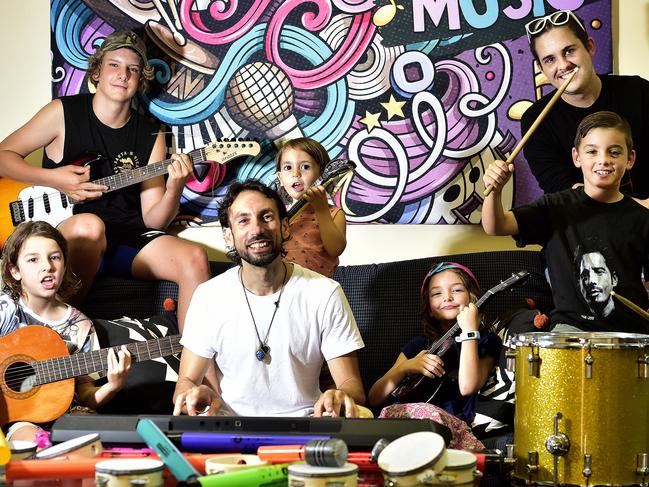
x=79 y=364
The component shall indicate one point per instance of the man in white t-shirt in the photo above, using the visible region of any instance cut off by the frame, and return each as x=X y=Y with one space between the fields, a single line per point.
x=268 y=324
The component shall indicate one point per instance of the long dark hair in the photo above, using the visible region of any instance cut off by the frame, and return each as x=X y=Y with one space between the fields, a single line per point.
x=70 y=284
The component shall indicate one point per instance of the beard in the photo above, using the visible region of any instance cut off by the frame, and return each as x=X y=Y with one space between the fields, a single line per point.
x=261 y=260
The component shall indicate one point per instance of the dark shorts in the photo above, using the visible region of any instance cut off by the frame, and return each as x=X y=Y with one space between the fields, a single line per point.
x=124 y=242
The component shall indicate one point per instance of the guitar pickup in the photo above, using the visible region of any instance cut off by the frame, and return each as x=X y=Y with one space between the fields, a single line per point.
x=17 y=212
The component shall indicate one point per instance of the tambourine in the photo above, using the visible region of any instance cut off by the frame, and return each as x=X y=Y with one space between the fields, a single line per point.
x=20 y=450
x=305 y=475
x=460 y=470
x=87 y=446
x=127 y=472
x=413 y=459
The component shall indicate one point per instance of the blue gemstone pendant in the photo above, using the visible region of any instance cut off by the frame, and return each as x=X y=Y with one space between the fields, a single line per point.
x=261 y=352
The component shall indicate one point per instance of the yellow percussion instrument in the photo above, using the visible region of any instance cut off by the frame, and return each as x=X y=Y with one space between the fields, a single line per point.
x=582 y=408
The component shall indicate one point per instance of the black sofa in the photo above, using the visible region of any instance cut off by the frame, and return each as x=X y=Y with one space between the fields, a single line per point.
x=384 y=297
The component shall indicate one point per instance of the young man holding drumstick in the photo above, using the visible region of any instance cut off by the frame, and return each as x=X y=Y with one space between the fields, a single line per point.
x=560 y=43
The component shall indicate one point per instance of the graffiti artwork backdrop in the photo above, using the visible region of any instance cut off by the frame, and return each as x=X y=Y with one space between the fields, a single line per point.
x=420 y=94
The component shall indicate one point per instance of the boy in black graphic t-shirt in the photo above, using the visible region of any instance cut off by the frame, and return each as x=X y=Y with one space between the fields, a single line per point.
x=122 y=230
x=596 y=239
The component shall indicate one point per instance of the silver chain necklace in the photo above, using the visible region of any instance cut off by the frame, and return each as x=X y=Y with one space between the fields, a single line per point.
x=263 y=349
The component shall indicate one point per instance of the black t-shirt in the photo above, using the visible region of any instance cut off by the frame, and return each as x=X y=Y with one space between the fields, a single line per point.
x=591 y=248
x=549 y=150
x=122 y=149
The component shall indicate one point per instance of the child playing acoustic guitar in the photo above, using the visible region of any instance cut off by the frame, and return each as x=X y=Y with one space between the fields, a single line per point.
x=318 y=232
x=448 y=295
x=37 y=281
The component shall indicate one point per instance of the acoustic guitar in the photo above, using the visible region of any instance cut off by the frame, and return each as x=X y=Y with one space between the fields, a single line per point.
x=20 y=202
x=37 y=372
x=332 y=174
x=409 y=383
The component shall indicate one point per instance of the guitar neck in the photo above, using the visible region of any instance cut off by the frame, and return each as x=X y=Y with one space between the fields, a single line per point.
x=79 y=364
x=143 y=173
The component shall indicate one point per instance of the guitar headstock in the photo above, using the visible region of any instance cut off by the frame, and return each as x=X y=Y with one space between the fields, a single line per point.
x=513 y=279
x=335 y=170
x=222 y=151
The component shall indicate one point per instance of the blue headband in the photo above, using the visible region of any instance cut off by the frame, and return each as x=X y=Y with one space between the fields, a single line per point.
x=443 y=266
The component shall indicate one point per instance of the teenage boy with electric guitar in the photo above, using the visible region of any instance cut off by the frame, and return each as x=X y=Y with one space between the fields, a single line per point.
x=122 y=231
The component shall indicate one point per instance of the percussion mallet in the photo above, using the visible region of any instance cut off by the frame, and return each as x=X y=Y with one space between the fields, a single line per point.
x=631 y=305
x=536 y=123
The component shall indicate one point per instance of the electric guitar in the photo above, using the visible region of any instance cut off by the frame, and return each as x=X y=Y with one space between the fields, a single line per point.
x=332 y=174
x=20 y=202
x=444 y=343
x=37 y=373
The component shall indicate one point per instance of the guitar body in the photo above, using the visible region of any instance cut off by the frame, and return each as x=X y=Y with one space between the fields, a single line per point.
x=40 y=403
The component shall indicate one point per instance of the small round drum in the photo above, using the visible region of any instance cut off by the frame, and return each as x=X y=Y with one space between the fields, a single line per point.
x=413 y=459
x=582 y=408
x=86 y=446
x=460 y=469
x=127 y=472
x=232 y=463
x=21 y=450
x=305 y=475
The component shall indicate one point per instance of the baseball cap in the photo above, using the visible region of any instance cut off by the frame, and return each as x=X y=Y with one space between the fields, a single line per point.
x=120 y=39
x=442 y=266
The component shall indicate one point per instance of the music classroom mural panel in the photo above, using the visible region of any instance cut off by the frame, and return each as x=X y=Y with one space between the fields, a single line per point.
x=420 y=94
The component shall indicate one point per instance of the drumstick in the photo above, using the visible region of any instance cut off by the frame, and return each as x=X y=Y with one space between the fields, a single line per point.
x=631 y=305
x=536 y=123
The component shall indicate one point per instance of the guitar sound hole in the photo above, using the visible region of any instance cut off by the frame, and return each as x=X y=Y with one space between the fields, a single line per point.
x=20 y=377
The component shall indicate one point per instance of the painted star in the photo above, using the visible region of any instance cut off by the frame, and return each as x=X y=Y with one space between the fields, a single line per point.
x=393 y=107
x=371 y=120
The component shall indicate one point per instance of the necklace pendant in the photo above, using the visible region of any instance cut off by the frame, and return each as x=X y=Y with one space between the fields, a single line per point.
x=262 y=351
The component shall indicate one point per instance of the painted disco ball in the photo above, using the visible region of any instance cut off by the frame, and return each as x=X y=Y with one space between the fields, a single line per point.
x=259 y=96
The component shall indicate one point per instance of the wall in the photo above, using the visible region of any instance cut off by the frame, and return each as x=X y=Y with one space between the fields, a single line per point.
x=25 y=87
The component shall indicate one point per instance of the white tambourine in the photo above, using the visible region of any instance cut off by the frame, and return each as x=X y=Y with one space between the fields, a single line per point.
x=413 y=459
x=86 y=446
x=128 y=472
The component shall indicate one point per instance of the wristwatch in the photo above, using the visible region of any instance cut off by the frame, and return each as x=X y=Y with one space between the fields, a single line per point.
x=469 y=335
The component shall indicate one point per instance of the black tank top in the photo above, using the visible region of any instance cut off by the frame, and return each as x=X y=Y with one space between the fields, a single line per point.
x=122 y=149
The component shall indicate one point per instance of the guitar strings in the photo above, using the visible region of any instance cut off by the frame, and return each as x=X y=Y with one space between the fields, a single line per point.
x=16 y=375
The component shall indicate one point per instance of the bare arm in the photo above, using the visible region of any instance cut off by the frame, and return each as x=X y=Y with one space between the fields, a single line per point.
x=349 y=388
x=160 y=202
x=473 y=371
x=495 y=220
x=332 y=230
x=45 y=130
x=190 y=396
x=118 y=368
x=423 y=363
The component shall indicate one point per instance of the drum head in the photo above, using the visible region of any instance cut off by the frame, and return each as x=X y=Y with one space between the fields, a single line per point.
x=304 y=470
x=413 y=453
x=129 y=466
x=70 y=446
x=232 y=463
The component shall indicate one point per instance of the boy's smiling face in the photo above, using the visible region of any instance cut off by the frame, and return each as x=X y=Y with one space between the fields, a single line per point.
x=603 y=157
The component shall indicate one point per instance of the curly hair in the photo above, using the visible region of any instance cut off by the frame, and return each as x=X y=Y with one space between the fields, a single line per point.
x=234 y=190
x=70 y=284
x=95 y=61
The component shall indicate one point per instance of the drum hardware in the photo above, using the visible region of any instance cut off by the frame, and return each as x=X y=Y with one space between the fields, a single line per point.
x=588 y=360
x=534 y=361
x=532 y=463
x=587 y=471
x=510 y=357
x=557 y=444
x=643 y=366
x=643 y=465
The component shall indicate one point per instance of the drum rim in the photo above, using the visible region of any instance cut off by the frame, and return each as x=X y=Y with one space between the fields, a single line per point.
x=44 y=455
x=29 y=446
x=580 y=340
x=428 y=466
x=155 y=466
x=471 y=464
x=347 y=469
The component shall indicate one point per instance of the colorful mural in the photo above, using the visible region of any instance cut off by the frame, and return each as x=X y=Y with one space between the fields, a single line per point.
x=420 y=94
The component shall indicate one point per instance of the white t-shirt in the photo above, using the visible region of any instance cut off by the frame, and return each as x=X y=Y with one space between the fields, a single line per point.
x=313 y=323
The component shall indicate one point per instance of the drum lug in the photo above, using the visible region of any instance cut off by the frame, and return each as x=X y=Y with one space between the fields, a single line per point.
x=643 y=367
x=588 y=360
x=587 y=471
x=533 y=361
x=643 y=465
x=510 y=356
x=532 y=466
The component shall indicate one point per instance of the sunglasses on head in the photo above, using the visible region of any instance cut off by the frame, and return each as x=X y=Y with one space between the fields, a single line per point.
x=558 y=18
